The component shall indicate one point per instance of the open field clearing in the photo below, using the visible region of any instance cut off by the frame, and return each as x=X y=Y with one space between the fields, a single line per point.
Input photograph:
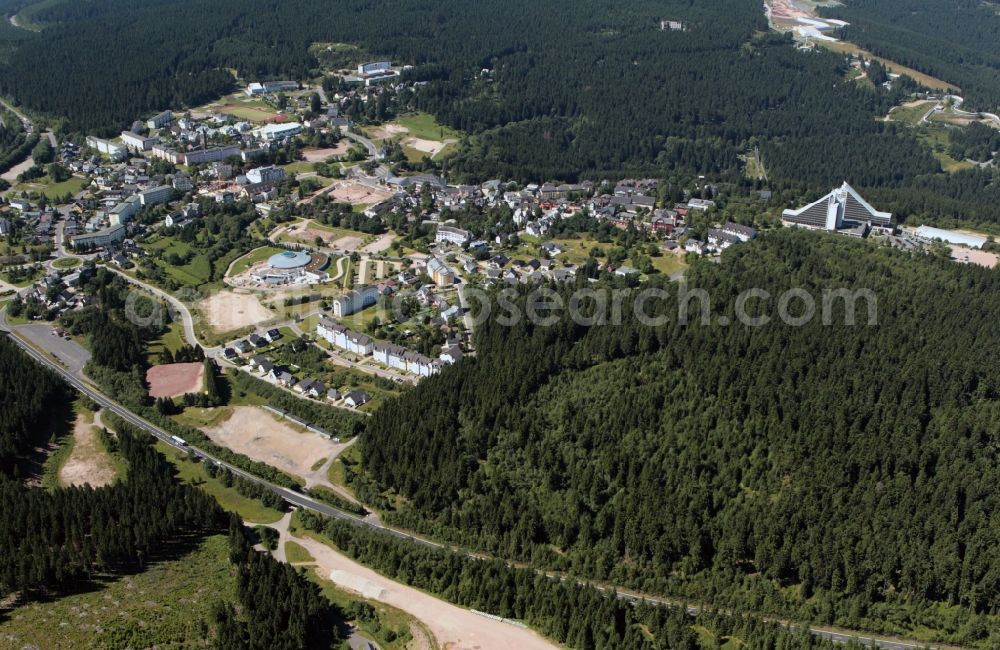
x=357 y=193
x=253 y=257
x=233 y=309
x=383 y=243
x=163 y=607
x=175 y=379
x=50 y=189
x=88 y=462
x=320 y=155
x=970 y=256
x=258 y=434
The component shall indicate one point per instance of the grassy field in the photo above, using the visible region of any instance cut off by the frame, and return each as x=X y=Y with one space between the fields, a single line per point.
x=668 y=263
x=936 y=137
x=253 y=257
x=916 y=75
x=425 y=127
x=172 y=339
x=228 y=498
x=44 y=185
x=910 y=114
x=167 y=606
x=296 y=553
x=358 y=321
x=66 y=262
x=298 y=167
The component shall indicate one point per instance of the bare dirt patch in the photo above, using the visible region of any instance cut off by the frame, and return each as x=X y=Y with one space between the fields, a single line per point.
x=357 y=193
x=379 y=245
x=88 y=463
x=388 y=131
x=320 y=155
x=432 y=147
x=454 y=628
x=262 y=436
x=347 y=243
x=969 y=256
x=175 y=379
x=233 y=309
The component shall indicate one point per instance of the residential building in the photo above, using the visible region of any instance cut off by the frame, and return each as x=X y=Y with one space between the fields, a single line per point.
x=161 y=194
x=442 y=275
x=159 y=121
x=743 y=233
x=100 y=238
x=122 y=213
x=355 y=300
x=215 y=154
x=137 y=142
x=112 y=150
x=269 y=174
x=343 y=338
x=452 y=235
x=356 y=398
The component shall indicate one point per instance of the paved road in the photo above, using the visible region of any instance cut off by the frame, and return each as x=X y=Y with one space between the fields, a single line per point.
x=369 y=145
x=297 y=499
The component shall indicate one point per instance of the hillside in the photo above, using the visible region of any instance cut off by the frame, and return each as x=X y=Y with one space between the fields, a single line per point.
x=843 y=474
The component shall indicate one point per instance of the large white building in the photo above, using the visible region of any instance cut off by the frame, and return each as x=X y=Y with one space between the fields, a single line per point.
x=112 y=150
x=161 y=194
x=377 y=66
x=263 y=88
x=442 y=275
x=122 y=213
x=160 y=121
x=100 y=238
x=272 y=132
x=215 y=154
x=355 y=300
x=269 y=174
x=343 y=338
x=841 y=209
x=950 y=236
x=452 y=235
x=137 y=142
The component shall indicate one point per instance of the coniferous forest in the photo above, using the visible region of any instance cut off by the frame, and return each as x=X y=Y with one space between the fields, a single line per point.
x=846 y=474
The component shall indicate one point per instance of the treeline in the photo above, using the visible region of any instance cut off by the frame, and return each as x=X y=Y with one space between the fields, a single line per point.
x=731 y=463
x=31 y=395
x=579 y=616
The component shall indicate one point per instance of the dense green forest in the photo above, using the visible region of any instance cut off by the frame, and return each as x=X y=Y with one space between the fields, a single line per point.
x=844 y=474
x=955 y=40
